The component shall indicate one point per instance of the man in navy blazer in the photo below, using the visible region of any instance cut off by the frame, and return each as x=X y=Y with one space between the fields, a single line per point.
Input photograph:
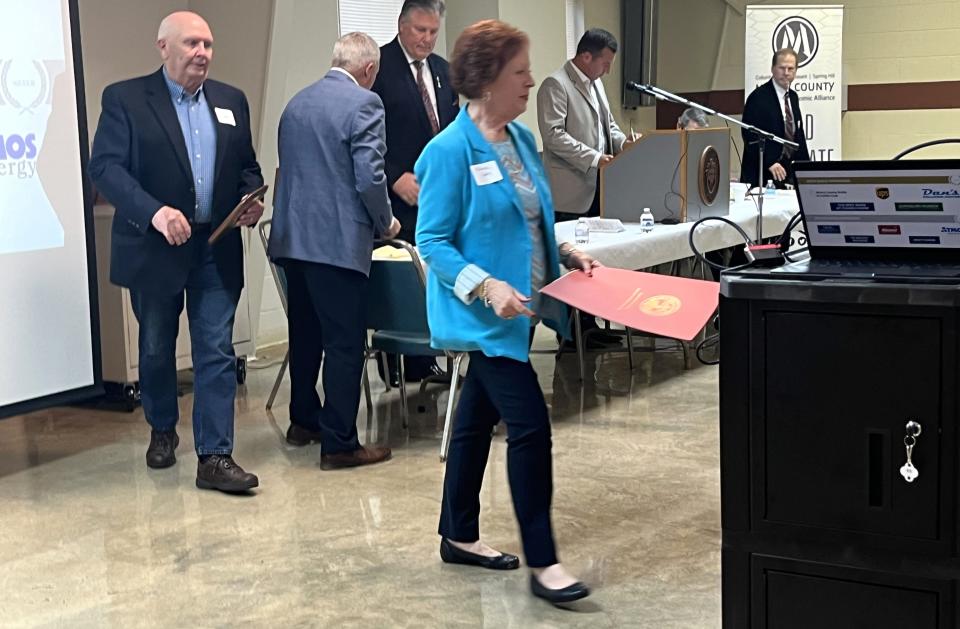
x=766 y=108
x=419 y=102
x=173 y=153
x=331 y=200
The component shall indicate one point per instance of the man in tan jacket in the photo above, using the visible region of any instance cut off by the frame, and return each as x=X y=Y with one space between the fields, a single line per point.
x=578 y=131
x=579 y=135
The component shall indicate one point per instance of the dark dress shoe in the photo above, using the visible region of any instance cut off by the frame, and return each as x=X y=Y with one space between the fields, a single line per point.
x=590 y=343
x=297 y=435
x=160 y=452
x=557 y=597
x=220 y=472
x=606 y=337
x=392 y=377
x=362 y=456
x=451 y=554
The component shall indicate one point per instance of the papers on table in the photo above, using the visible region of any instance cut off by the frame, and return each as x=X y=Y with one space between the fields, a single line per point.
x=605 y=225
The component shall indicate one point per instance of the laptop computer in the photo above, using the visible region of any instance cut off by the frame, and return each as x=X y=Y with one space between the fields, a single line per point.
x=883 y=220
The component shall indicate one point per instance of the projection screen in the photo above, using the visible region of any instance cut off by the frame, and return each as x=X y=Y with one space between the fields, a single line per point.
x=50 y=350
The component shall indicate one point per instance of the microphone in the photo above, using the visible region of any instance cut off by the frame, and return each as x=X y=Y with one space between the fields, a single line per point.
x=645 y=89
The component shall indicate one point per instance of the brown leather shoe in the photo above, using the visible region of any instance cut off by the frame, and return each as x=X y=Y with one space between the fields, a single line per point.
x=221 y=472
x=363 y=456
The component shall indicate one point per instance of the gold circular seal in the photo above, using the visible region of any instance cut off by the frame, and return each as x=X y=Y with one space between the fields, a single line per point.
x=709 y=175
x=660 y=305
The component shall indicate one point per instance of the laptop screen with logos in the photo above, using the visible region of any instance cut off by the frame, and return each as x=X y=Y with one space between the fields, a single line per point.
x=901 y=209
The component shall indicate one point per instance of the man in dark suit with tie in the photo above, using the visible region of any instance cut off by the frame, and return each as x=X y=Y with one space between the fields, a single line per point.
x=173 y=153
x=419 y=103
x=775 y=108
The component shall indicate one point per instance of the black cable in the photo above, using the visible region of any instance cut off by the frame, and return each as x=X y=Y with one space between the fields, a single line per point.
x=785 y=236
x=925 y=145
x=700 y=256
x=671 y=191
x=708 y=343
x=787 y=254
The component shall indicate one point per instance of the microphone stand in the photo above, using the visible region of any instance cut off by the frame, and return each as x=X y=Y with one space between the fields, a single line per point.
x=760 y=135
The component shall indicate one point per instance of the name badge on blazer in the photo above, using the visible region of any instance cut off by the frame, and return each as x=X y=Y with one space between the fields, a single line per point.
x=225 y=116
x=486 y=173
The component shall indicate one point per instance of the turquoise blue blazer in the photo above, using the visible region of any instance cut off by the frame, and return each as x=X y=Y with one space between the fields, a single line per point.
x=463 y=228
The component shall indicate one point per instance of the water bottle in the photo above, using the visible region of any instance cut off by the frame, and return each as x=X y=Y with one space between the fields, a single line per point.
x=646 y=221
x=771 y=189
x=581 y=232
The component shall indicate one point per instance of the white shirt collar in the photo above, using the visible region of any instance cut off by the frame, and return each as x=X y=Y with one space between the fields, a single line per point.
x=352 y=78
x=583 y=77
x=780 y=92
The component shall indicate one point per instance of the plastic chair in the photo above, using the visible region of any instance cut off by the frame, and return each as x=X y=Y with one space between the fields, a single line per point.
x=397 y=312
x=280 y=278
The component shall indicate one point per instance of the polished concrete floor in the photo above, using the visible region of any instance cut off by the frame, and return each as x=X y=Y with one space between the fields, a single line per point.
x=90 y=537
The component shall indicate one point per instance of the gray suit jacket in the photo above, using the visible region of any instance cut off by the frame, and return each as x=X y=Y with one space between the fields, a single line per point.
x=568 y=128
x=331 y=197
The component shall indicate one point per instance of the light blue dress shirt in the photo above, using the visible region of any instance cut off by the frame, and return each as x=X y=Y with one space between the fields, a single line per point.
x=200 y=136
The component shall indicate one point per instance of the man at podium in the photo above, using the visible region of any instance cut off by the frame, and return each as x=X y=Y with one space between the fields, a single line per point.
x=579 y=134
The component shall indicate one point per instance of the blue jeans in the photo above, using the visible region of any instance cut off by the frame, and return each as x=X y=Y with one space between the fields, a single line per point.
x=210 y=311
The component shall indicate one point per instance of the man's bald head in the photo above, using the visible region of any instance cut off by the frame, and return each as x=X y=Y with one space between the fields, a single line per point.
x=186 y=47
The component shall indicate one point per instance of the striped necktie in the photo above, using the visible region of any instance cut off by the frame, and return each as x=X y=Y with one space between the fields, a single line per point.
x=788 y=125
x=425 y=97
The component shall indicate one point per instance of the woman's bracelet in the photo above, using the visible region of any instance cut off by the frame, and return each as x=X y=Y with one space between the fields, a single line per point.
x=483 y=291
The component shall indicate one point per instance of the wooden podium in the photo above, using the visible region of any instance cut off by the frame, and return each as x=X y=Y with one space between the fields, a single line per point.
x=679 y=175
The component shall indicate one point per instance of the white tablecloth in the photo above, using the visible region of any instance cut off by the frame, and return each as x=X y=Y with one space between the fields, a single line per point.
x=632 y=249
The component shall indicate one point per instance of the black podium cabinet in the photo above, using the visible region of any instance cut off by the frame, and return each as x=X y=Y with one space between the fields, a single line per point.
x=818 y=381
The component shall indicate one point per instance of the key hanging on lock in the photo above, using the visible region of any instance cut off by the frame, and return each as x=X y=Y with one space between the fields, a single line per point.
x=908 y=470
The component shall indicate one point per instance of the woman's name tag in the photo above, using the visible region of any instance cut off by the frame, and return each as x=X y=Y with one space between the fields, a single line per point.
x=486 y=173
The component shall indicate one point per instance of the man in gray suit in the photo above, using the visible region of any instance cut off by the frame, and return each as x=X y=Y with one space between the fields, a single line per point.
x=579 y=135
x=331 y=199
x=578 y=131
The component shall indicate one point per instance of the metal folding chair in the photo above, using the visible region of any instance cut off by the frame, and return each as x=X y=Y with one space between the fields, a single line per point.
x=280 y=279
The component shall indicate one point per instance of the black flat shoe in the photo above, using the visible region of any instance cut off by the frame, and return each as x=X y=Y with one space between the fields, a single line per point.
x=557 y=597
x=451 y=554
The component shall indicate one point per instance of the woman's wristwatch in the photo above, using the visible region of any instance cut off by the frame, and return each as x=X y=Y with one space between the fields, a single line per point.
x=565 y=255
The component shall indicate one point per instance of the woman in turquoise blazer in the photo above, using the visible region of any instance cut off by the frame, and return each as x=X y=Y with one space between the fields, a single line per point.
x=485 y=230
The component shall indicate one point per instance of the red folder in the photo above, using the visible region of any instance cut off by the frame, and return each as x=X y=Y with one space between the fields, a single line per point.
x=677 y=307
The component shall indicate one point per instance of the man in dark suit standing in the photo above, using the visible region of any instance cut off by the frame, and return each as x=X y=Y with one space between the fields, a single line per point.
x=775 y=108
x=330 y=202
x=419 y=103
x=173 y=153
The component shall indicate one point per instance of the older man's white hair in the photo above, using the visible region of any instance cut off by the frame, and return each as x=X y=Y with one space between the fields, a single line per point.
x=354 y=51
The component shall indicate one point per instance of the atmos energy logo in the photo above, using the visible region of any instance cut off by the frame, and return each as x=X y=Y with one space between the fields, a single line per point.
x=798 y=33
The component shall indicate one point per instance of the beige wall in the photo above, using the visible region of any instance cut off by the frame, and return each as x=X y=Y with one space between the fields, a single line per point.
x=117 y=40
x=544 y=21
